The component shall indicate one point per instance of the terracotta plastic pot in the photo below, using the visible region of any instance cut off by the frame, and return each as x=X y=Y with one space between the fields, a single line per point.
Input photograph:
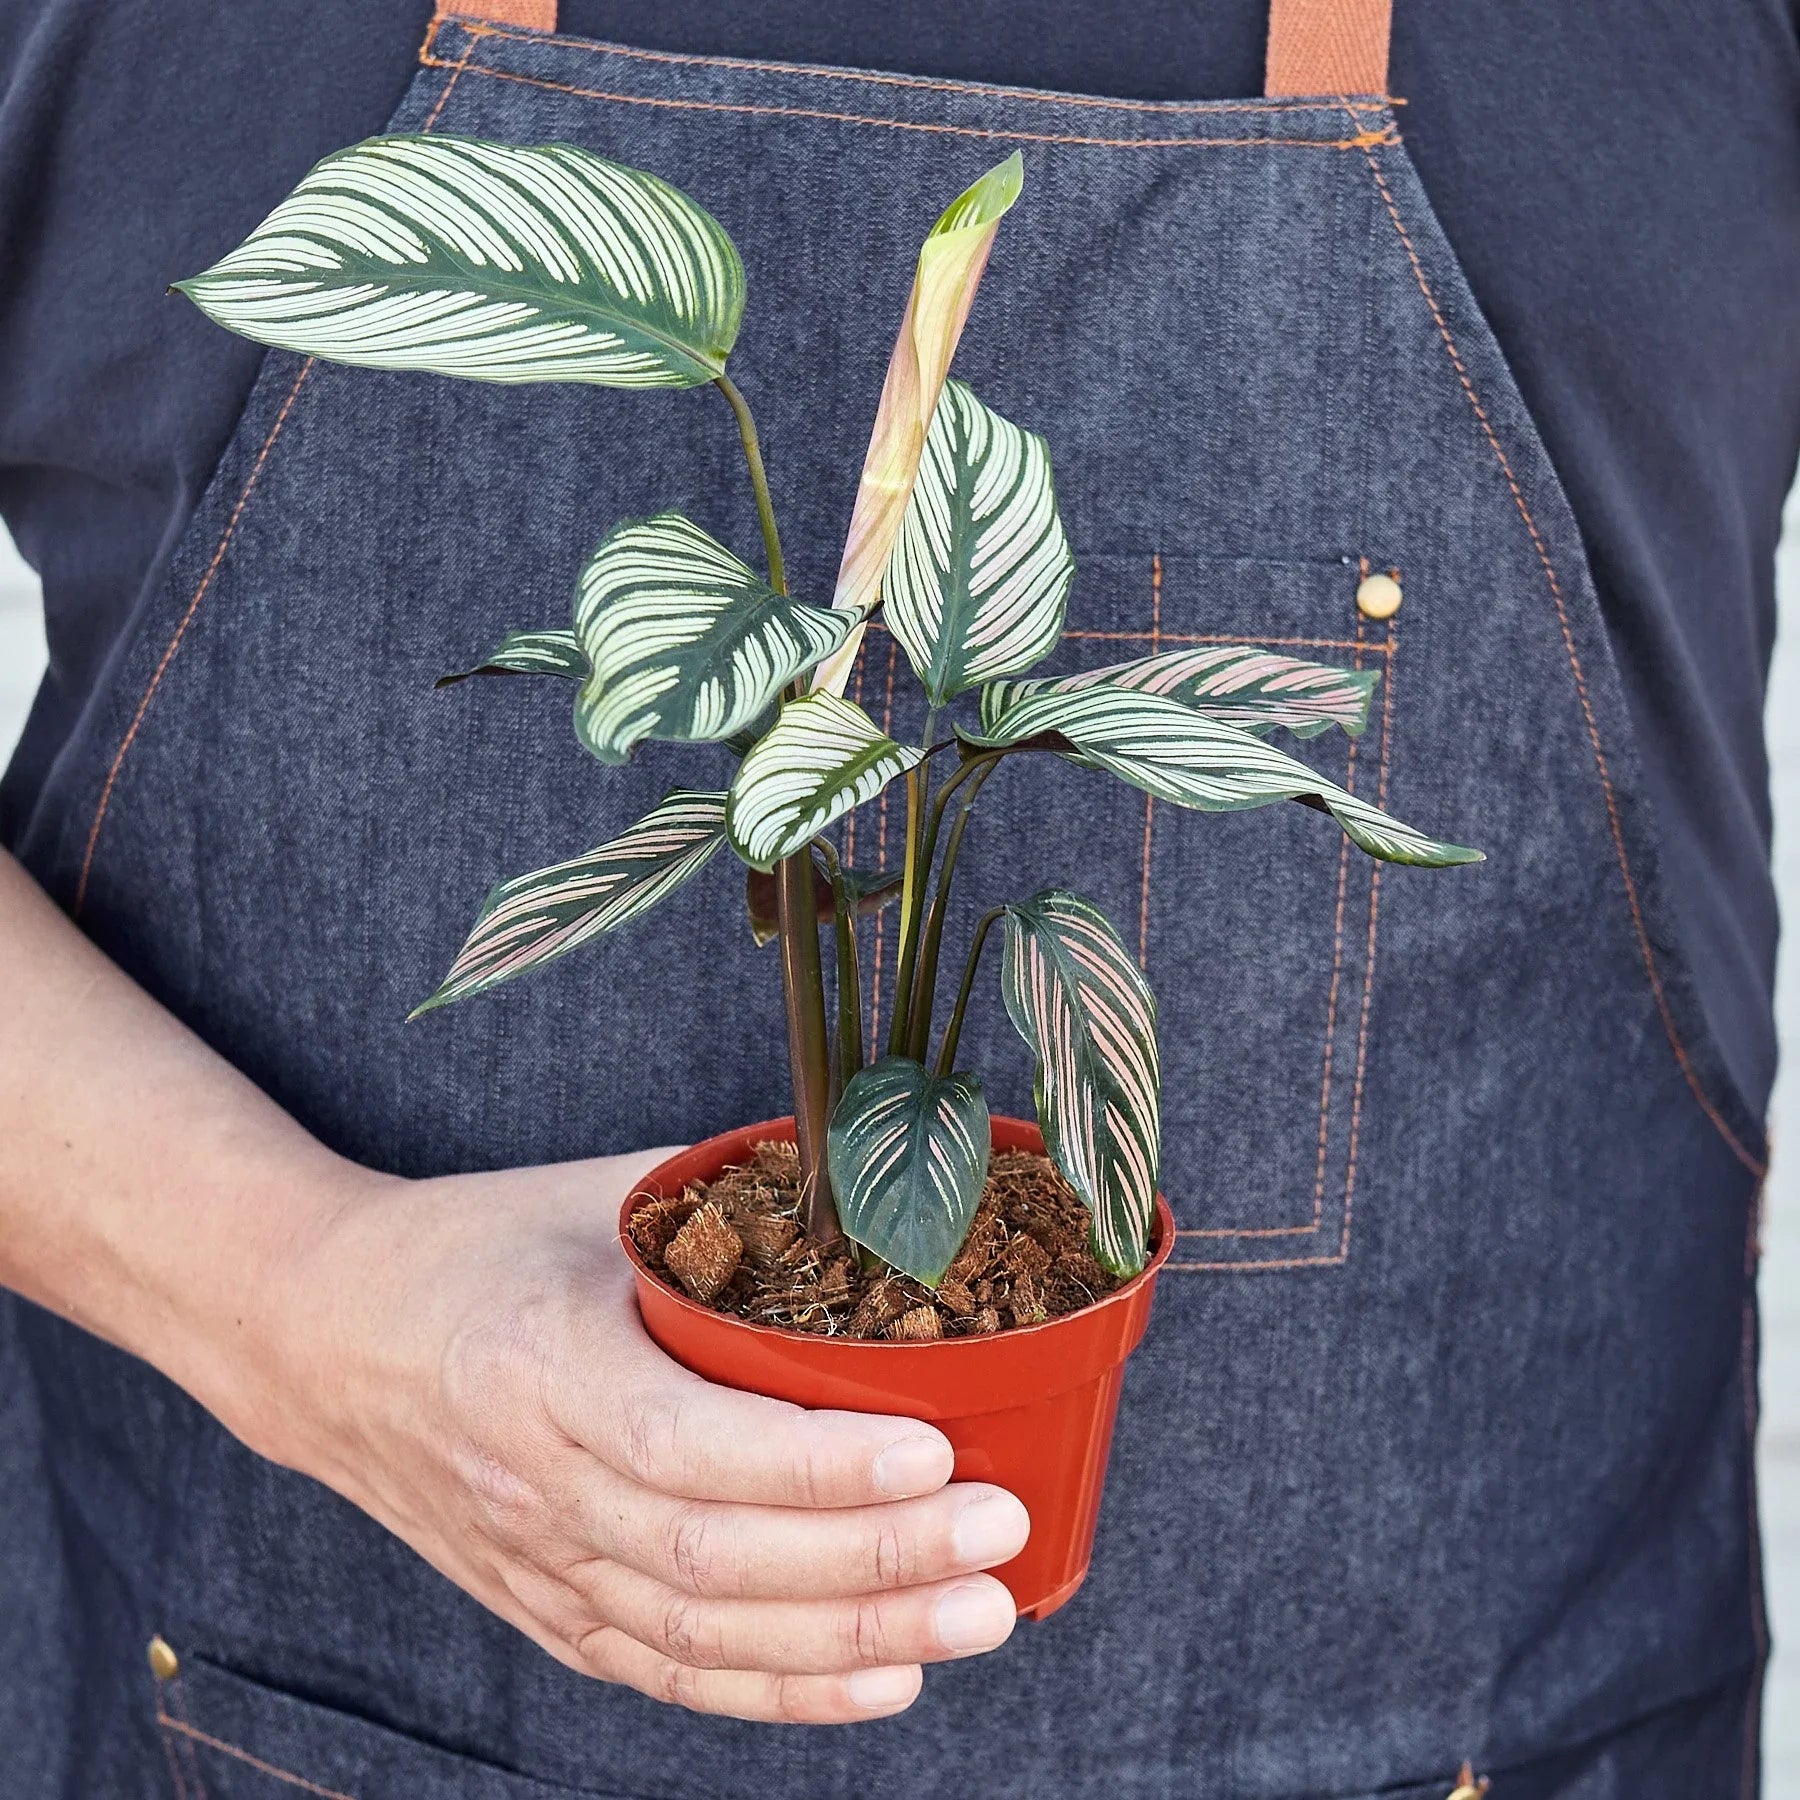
x=1030 y=1409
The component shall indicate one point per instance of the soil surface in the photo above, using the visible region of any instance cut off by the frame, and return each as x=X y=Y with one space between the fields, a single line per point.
x=733 y=1244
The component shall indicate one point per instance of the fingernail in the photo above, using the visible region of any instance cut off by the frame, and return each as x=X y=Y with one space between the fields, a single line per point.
x=992 y=1529
x=915 y=1465
x=881 y=1690
x=974 y=1617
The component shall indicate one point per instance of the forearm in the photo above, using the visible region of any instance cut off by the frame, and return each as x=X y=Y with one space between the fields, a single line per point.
x=147 y=1190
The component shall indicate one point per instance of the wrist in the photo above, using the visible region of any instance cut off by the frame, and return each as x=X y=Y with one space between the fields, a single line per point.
x=262 y=1361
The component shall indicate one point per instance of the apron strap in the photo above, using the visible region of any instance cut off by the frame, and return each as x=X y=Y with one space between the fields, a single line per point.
x=1328 y=47
x=534 y=15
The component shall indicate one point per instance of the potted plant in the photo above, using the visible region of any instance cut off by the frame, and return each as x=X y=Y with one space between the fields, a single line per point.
x=890 y=1247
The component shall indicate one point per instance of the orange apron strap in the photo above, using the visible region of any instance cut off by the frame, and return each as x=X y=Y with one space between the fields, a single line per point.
x=1328 y=47
x=534 y=15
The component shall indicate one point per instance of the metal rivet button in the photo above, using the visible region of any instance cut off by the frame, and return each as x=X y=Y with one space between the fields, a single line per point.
x=1378 y=596
x=165 y=1665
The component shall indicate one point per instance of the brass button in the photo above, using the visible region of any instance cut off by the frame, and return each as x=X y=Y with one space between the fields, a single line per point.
x=165 y=1665
x=1378 y=596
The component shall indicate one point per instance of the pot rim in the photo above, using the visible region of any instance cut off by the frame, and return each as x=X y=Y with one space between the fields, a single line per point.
x=1161 y=1247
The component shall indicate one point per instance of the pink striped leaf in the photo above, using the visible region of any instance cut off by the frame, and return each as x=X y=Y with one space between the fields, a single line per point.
x=1182 y=756
x=1244 y=685
x=1080 y=1001
x=532 y=919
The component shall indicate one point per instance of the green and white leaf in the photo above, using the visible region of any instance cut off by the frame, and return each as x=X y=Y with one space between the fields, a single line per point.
x=822 y=757
x=1178 y=755
x=1238 y=684
x=530 y=653
x=1081 y=1002
x=685 y=641
x=978 y=581
x=489 y=261
x=535 y=918
x=908 y=1156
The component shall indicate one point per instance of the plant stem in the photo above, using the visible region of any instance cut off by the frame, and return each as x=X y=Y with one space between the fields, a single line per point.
x=796 y=917
x=925 y=980
x=849 y=1057
x=912 y=898
x=759 y=481
x=946 y=1061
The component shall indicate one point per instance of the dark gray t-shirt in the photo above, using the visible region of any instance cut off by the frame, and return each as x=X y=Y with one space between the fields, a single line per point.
x=1620 y=177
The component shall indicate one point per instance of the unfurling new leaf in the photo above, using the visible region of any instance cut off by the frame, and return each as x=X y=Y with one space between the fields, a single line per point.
x=951 y=262
x=908 y=1154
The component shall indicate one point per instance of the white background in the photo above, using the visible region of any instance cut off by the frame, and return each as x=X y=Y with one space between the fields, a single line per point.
x=22 y=656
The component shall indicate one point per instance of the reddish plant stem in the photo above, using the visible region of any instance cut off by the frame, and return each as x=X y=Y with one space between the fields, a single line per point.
x=796 y=917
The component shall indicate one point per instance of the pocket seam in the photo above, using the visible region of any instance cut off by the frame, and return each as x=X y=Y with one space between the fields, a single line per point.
x=1389 y=647
x=477 y=28
x=193 y=1735
x=1361 y=138
x=872 y=685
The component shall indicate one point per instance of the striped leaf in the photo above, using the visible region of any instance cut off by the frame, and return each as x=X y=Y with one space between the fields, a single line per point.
x=821 y=757
x=488 y=261
x=908 y=1157
x=1178 y=755
x=1237 y=684
x=530 y=653
x=685 y=642
x=1082 y=1004
x=535 y=918
x=979 y=578
x=951 y=263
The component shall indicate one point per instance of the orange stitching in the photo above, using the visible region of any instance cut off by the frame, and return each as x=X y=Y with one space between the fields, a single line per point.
x=1587 y=711
x=1331 y=1005
x=168 y=655
x=931 y=83
x=244 y=1756
x=1318 y=1218
x=456 y=75
x=193 y=1757
x=1358 y=142
x=1207 y=637
x=1218 y=637
x=1149 y=799
x=1368 y=993
x=168 y=1744
x=212 y=568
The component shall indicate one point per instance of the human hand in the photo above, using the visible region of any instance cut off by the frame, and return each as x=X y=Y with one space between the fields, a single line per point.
x=481 y=1384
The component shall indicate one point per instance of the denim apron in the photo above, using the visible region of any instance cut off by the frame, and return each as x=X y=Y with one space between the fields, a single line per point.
x=1439 y=1446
